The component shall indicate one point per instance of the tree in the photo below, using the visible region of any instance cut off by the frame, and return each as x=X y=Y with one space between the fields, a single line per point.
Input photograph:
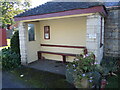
x=10 y=9
x=14 y=43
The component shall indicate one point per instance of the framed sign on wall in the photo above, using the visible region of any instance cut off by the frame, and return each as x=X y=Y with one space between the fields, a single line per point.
x=46 y=32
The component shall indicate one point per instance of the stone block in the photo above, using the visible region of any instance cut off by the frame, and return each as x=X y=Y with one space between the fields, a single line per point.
x=93 y=40
x=93 y=22
x=91 y=45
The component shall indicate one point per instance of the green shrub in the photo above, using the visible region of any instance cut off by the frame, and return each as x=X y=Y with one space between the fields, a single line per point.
x=109 y=65
x=10 y=59
x=11 y=56
x=14 y=44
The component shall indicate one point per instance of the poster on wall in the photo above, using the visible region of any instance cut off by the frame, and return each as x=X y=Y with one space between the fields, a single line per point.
x=46 y=32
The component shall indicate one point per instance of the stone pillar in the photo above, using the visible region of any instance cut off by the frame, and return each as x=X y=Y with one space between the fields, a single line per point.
x=23 y=39
x=93 y=35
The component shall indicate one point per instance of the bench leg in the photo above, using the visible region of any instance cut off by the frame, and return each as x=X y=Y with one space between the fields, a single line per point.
x=39 y=56
x=64 y=59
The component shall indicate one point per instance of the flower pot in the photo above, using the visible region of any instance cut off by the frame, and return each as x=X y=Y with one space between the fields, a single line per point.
x=103 y=83
x=83 y=83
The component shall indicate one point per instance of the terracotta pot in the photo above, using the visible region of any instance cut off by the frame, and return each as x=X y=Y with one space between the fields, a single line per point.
x=103 y=84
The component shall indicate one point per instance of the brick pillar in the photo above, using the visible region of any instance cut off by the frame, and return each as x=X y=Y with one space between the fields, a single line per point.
x=93 y=35
x=23 y=39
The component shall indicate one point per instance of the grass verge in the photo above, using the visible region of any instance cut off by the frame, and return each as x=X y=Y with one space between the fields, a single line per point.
x=41 y=79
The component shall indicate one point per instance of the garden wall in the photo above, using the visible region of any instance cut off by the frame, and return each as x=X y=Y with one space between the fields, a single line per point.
x=112 y=33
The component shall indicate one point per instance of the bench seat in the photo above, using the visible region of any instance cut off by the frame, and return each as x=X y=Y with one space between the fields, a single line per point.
x=56 y=53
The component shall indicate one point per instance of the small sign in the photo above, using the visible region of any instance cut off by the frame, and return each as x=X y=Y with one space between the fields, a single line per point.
x=92 y=36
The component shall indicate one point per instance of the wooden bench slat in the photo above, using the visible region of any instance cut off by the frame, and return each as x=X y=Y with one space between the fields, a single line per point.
x=56 y=53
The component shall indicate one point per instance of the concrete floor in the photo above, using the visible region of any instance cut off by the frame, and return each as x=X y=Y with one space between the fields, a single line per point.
x=50 y=66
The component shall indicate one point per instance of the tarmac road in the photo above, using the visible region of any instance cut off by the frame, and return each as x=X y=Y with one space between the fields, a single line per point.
x=10 y=81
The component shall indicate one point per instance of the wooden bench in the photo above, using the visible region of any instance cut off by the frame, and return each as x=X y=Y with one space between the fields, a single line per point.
x=58 y=53
x=55 y=53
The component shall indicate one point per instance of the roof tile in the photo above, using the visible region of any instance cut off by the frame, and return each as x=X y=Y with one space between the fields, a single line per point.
x=51 y=7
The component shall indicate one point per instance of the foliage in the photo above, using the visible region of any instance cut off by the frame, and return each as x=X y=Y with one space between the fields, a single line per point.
x=108 y=66
x=14 y=44
x=10 y=60
x=83 y=72
x=10 y=9
x=11 y=56
x=113 y=81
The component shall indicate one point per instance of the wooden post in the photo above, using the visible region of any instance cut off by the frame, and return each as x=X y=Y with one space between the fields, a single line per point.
x=64 y=58
x=39 y=55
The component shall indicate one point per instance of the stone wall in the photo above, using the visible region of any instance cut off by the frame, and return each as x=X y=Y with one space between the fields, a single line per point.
x=112 y=33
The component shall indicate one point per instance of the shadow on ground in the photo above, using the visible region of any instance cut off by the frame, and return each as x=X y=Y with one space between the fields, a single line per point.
x=53 y=66
x=26 y=77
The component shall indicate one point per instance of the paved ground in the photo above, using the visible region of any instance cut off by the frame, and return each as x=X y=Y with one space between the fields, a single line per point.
x=0 y=70
x=10 y=81
x=0 y=79
x=50 y=66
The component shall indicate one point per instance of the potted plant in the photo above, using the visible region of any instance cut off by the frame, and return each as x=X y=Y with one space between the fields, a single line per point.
x=82 y=72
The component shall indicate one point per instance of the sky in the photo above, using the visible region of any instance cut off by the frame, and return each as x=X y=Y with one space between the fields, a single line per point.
x=38 y=2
